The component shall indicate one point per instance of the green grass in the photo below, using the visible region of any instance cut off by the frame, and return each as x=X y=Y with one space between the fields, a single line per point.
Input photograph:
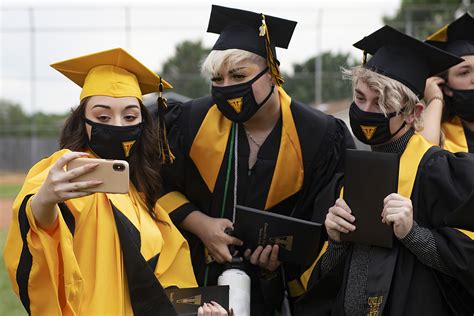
x=9 y=190
x=9 y=303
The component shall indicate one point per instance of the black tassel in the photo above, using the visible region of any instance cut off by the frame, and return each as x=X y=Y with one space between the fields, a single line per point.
x=166 y=156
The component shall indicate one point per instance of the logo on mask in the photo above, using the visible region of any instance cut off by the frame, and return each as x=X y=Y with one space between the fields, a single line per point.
x=236 y=104
x=127 y=146
x=368 y=131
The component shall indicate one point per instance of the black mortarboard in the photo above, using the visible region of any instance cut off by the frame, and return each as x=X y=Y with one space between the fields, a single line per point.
x=404 y=58
x=456 y=38
x=244 y=30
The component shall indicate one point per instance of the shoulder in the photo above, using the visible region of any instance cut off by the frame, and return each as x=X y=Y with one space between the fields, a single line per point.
x=192 y=110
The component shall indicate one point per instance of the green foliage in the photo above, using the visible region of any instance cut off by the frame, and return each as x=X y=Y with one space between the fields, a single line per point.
x=183 y=69
x=15 y=122
x=301 y=85
x=420 y=18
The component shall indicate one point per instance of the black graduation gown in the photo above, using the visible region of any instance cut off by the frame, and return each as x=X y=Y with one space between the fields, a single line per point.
x=443 y=201
x=323 y=141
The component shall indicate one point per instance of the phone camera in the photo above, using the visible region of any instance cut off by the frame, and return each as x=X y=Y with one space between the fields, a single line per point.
x=118 y=166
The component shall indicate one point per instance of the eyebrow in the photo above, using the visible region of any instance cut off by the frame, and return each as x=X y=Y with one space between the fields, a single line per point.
x=359 y=92
x=108 y=106
x=234 y=70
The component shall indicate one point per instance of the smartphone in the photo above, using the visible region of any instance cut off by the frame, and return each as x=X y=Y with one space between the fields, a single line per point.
x=113 y=173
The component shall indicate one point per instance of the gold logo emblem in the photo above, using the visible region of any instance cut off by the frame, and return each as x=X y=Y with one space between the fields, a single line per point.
x=127 y=146
x=368 y=131
x=236 y=104
x=286 y=242
x=192 y=300
x=374 y=304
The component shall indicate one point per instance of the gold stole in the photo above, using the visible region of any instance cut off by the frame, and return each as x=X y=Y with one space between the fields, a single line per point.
x=455 y=139
x=409 y=161
x=209 y=145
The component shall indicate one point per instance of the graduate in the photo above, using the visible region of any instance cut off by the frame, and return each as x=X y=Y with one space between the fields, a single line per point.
x=72 y=252
x=450 y=95
x=248 y=143
x=430 y=268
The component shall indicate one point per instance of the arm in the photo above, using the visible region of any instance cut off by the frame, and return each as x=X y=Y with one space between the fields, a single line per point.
x=433 y=111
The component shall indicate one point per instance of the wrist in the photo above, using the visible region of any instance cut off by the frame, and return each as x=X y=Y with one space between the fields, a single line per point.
x=435 y=100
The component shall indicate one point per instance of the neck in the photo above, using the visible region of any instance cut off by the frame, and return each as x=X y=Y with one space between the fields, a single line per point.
x=267 y=116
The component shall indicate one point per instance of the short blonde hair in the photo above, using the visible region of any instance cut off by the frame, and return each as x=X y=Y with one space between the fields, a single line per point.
x=393 y=95
x=227 y=59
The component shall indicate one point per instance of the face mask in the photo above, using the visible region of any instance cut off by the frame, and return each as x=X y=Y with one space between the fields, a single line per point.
x=462 y=103
x=237 y=102
x=371 y=128
x=114 y=142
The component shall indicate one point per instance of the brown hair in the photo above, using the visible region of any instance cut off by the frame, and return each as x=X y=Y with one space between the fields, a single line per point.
x=144 y=165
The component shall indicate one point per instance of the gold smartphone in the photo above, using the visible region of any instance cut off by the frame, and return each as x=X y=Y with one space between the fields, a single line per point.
x=113 y=173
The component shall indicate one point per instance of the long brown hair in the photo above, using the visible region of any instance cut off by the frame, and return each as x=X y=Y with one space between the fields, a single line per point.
x=144 y=163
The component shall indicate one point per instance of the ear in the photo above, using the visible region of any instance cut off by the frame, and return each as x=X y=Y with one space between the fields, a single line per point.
x=447 y=91
x=419 y=108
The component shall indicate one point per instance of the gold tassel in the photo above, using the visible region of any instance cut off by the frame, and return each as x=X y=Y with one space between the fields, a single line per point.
x=166 y=156
x=271 y=60
x=364 y=57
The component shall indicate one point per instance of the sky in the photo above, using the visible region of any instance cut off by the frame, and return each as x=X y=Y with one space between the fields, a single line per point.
x=34 y=35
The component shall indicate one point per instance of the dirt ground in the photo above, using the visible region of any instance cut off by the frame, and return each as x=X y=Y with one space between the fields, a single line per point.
x=7 y=203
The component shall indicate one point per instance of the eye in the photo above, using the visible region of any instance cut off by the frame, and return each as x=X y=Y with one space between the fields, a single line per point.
x=103 y=118
x=130 y=117
x=360 y=98
x=238 y=76
x=463 y=73
x=216 y=78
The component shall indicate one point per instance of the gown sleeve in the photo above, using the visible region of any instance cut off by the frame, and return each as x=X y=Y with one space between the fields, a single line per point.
x=174 y=202
x=41 y=264
x=447 y=185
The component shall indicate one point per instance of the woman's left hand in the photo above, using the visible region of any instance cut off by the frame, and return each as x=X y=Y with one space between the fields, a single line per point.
x=212 y=309
x=398 y=210
x=266 y=258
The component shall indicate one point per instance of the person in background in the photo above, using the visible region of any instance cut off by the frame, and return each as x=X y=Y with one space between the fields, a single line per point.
x=430 y=268
x=449 y=116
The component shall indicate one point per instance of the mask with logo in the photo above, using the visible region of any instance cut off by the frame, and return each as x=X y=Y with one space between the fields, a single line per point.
x=237 y=102
x=371 y=128
x=114 y=142
x=462 y=104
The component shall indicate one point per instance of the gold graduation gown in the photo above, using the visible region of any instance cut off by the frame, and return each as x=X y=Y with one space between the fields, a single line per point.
x=78 y=268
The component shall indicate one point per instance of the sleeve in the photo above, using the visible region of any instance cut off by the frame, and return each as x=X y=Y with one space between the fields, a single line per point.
x=448 y=199
x=41 y=264
x=326 y=181
x=173 y=201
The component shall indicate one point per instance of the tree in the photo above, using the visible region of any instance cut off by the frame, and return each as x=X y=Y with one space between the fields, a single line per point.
x=15 y=122
x=420 y=18
x=301 y=85
x=183 y=69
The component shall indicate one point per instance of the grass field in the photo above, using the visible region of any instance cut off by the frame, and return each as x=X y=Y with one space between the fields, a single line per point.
x=9 y=187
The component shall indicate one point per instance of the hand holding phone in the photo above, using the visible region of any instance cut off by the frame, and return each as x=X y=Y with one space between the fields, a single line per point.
x=114 y=174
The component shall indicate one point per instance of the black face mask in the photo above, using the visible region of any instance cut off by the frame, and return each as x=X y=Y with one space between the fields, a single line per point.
x=237 y=102
x=371 y=128
x=462 y=104
x=114 y=142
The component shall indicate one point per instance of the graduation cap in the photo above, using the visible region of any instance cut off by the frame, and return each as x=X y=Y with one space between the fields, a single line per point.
x=456 y=38
x=252 y=32
x=117 y=74
x=404 y=58
x=113 y=73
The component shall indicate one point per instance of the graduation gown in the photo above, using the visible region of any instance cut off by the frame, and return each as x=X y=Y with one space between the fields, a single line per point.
x=103 y=257
x=441 y=187
x=296 y=161
x=458 y=138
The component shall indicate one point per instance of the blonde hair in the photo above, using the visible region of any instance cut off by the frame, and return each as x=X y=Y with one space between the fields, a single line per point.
x=228 y=59
x=393 y=95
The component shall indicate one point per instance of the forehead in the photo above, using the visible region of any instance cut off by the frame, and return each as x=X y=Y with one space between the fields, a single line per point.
x=112 y=102
x=364 y=88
